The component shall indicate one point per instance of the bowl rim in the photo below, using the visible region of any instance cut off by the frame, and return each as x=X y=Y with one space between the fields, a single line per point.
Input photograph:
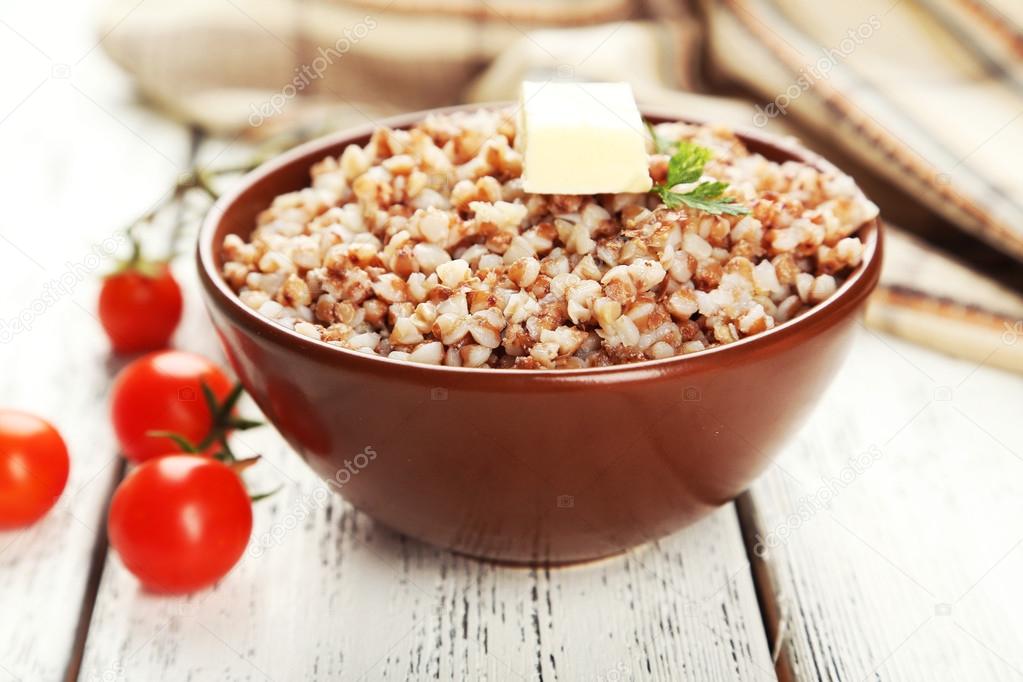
x=856 y=287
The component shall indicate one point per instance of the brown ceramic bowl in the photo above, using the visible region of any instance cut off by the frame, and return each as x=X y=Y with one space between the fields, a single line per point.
x=528 y=466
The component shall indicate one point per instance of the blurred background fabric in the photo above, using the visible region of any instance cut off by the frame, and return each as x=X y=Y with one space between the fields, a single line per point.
x=921 y=100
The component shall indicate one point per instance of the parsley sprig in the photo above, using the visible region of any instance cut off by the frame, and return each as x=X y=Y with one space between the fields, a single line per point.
x=686 y=166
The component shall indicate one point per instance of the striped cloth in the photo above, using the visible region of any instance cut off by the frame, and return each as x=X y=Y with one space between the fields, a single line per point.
x=927 y=93
x=921 y=99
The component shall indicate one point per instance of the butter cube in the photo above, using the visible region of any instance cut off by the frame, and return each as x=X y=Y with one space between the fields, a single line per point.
x=582 y=138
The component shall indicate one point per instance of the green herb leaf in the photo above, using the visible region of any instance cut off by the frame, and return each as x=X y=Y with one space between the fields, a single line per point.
x=713 y=206
x=685 y=167
x=708 y=190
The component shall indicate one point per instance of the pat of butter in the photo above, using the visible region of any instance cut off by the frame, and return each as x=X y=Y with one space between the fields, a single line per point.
x=582 y=138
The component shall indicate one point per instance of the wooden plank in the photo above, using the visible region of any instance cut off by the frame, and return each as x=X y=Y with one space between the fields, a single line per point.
x=65 y=127
x=892 y=528
x=324 y=593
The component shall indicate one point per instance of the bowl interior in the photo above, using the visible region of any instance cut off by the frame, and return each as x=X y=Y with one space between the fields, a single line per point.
x=236 y=213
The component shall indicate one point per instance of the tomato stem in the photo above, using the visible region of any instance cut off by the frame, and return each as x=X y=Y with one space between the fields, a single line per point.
x=240 y=465
x=258 y=497
x=179 y=440
x=204 y=179
x=222 y=422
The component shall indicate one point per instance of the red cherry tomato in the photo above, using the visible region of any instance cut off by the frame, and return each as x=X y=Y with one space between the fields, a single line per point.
x=163 y=392
x=180 y=522
x=33 y=468
x=140 y=310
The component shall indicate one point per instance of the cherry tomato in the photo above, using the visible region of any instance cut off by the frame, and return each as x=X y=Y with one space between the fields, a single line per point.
x=33 y=468
x=180 y=522
x=163 y=392
x=140 y=308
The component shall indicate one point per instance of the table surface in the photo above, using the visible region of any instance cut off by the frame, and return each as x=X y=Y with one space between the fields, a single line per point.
x=884 y=542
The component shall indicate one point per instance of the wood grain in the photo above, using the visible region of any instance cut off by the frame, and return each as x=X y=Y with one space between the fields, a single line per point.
x=324 y=593
x=63 y=112
x=892 y=527
x=892 y=524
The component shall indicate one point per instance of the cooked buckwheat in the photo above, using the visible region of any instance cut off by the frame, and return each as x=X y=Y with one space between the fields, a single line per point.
x=422 y=246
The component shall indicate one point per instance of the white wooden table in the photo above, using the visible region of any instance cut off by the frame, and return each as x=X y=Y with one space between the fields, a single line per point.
x=884 y=543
